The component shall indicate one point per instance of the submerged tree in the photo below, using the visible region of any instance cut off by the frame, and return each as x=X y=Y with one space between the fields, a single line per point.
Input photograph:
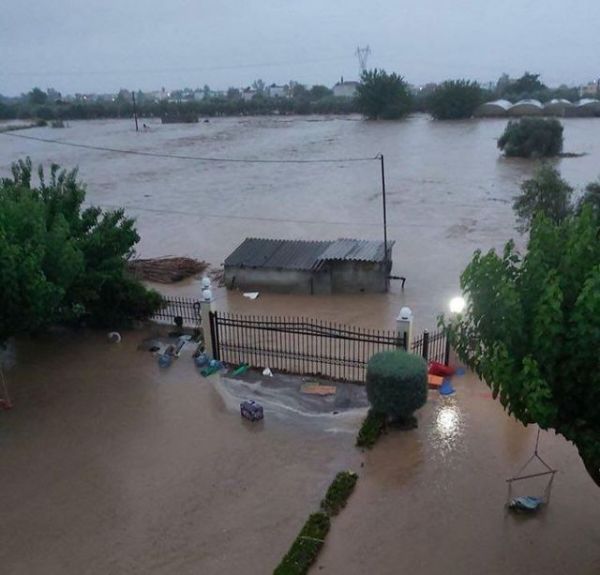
x=455 y=99
x=532 y=138
x=382 y=96
x=61 y=263
x=531 y=329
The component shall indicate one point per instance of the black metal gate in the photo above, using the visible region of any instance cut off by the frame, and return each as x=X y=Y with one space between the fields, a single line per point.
x=299 y=345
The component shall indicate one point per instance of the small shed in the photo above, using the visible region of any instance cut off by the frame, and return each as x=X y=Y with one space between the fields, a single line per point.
x=309 y=267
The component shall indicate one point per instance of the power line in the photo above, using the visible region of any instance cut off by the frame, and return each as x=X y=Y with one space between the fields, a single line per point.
x=186 y=157
x=254 y=218
x=18 y=73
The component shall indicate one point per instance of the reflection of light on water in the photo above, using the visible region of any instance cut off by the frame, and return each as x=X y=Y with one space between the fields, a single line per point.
x=447 y=421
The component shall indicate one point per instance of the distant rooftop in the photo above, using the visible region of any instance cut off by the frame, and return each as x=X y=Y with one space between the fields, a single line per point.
x=302 y=254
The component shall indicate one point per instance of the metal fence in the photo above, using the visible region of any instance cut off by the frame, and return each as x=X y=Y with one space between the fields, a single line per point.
x=185 y=308
x=433 y=346
x=299 y=345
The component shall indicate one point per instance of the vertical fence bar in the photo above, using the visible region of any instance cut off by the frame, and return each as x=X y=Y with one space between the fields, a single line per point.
x=425 y=350
x=447 y=351
x=214 y=333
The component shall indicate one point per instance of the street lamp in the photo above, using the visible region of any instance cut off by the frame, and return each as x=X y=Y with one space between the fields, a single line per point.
x=457 y=304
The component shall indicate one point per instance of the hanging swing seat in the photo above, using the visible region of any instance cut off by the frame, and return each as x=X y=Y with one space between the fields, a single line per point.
x=531 y=503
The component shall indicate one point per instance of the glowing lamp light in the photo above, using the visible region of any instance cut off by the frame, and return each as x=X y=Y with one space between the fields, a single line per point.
x=457 y=304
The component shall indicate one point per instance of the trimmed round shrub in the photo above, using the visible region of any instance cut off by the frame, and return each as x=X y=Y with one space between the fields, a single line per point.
x=397 y=383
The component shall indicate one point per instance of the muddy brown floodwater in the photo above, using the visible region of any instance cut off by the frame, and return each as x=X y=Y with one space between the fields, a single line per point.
x=449 y=193
x=109 y=465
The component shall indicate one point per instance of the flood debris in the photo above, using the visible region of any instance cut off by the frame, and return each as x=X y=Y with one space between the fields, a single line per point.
x=166 y=269
x=251 y=410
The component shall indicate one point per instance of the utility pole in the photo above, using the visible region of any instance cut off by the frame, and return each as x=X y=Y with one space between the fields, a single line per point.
x=134 y=111
x=385 y=242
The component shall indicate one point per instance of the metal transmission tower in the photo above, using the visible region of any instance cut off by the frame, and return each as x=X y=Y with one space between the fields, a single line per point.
x=363 y=55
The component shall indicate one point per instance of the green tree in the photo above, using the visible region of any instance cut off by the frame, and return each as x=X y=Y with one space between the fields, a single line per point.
x=383 y=96
x=61 y=263
x=318 y=92
x=532 y=138
x=546 y=193
x=37 y=97
x=455 y=99
x=591 y=198
x=526 y=85
x=396 y=383
x=531 y=329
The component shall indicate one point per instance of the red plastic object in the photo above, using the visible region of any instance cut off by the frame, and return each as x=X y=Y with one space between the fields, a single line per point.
x=440 y=369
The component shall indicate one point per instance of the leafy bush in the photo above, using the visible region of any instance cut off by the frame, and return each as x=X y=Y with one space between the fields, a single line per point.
x=532 y=138
x=455 y=99
x=306 y=547
x=397 y=383
x=383 y=96
x=337 y=495
x=60 y=263
x=372 y=427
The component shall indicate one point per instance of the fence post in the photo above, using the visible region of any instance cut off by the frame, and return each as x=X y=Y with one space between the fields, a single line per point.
x=426 y=345
x=404 y=324
x=447 y=350
x=206 y=307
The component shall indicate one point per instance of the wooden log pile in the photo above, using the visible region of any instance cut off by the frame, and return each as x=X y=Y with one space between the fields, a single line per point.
x=165 y=270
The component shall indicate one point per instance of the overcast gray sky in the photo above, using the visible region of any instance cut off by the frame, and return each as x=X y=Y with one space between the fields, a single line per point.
x=102 y=45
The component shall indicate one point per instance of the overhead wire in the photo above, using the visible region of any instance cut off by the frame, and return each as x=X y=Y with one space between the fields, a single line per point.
x=193 y=158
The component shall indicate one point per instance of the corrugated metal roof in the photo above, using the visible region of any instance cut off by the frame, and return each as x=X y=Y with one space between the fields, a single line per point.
x=279 y=254
x=355 y=250
x=301 y=254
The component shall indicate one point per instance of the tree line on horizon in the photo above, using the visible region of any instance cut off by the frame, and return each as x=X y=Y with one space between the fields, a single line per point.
x=380 y=95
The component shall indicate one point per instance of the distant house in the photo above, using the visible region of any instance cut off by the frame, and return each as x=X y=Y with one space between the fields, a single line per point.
x=248 y=94
x=276 y=91
x=309 y=267
x=345 y=89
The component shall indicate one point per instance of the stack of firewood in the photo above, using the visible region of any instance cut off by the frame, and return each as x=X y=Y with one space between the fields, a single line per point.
x=165 y=270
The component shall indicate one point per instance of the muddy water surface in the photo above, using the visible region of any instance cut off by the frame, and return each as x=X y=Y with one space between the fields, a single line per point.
x=449 y=193
x=110 y=465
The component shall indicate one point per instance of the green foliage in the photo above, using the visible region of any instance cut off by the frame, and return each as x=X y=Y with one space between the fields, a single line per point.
x=59 y=263
x=338 y=493
x=306 y=547
x=397 y=383
x=532 y=138
x=591 y=198
x=527 y=86
x=531 y=329
x=371 y=429
x=455 y=99
x=37 y=96
x=546 y=193
x=382 y=96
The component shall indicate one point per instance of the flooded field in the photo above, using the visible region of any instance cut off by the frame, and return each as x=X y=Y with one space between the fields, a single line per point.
x=112 y=465
x=449 y=193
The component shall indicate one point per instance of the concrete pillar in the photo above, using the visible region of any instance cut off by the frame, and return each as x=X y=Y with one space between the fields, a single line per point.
x=404 y=326
x=206 y=306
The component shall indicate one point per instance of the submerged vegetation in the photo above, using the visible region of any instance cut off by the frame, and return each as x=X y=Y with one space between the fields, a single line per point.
x=310 y=540
x=373 y=426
